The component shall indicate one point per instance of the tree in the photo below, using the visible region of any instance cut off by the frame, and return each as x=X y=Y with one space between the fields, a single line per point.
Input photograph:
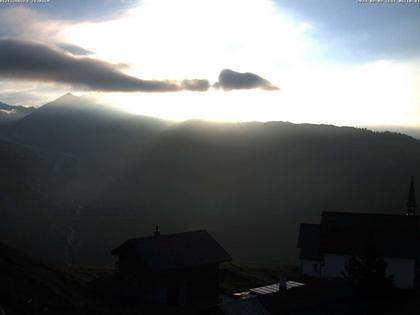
x=367 y=274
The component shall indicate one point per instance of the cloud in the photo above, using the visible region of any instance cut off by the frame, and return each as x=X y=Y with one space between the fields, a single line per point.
x=84 y=9
x=232 y=80
x=20 y=22
x=74 y=50
x=67 y=64
x=30 y=93
x=26 y=60
x=196 y=85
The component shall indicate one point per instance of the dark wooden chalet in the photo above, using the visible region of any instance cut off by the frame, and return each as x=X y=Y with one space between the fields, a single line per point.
x=174 y=269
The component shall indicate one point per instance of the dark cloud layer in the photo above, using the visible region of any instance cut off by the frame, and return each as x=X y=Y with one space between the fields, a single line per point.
x=196 y=85
x=33 y=61
x=27 y=60
x=232 y=80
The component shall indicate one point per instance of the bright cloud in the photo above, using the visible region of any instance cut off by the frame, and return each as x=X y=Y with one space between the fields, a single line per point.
x=196 y=38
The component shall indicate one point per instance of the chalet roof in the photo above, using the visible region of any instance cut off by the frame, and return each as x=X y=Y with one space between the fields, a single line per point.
x=309 y=241
x=334 y=297
x=356 y=233
x=166 y=252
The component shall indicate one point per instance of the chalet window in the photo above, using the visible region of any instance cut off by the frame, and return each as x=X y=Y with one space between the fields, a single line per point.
x=315 y=267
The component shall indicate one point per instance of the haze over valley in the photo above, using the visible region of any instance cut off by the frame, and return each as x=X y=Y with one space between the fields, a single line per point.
x=79 y=178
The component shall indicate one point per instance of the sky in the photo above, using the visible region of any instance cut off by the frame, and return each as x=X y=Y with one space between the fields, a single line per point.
x=342 y=62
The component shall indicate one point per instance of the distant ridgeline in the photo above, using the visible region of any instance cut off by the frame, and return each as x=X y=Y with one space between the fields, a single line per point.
x=10 y=114
x=78 y=178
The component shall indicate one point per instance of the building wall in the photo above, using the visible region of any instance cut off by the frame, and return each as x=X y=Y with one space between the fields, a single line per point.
x=175 y=288
x=333 y=265
x=402 y=269
x=158 y=296
x=311 y=268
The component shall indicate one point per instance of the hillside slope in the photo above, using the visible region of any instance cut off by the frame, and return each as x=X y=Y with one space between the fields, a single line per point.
x=103 y=141
x=31 y=287
x=252 y=184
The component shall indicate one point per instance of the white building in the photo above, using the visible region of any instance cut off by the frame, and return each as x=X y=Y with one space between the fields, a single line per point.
x=326 y=248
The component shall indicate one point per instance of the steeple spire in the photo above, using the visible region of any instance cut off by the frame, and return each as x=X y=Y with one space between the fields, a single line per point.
x=157 y=231
x=411 y=204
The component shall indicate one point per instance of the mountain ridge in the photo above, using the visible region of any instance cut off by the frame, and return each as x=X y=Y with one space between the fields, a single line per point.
x=248 y=183
x=12 y=113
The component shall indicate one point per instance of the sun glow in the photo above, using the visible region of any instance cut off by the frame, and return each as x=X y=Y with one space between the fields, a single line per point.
x=188 y=38
x=372 y=94
x=165 y=39
x=216 y=105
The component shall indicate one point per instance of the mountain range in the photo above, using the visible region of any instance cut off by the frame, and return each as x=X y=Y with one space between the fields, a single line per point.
x=84 y=177
x=10 y=114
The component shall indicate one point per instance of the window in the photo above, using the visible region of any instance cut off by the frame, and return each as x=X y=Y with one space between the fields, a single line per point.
x=315 y=267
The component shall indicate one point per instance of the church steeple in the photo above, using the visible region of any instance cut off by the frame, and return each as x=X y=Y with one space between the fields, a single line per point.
x=411 y=204
x=157 y=231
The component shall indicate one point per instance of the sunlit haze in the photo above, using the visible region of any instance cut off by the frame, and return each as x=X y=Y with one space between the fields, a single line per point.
x=171 y=41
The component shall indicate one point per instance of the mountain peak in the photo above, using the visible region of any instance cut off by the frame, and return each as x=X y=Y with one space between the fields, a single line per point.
x=66 y=97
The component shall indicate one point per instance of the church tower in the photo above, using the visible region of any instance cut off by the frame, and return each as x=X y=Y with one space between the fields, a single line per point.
x=411 y=204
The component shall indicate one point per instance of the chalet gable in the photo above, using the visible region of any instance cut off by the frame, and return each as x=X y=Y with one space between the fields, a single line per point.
x=166 y=252
x=355 y=233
